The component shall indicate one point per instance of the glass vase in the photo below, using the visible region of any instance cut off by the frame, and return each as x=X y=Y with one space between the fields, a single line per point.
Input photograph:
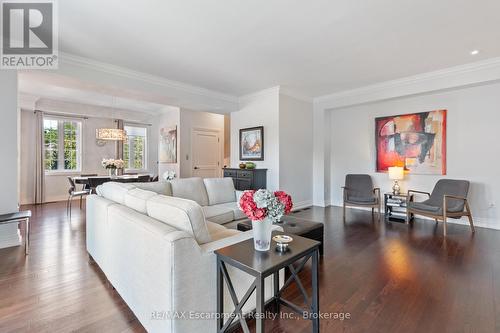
x=112 y=172
x=262 y=234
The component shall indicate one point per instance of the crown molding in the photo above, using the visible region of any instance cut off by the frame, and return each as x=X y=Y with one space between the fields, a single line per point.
x=91 y=111
x=259 y=94
x=296 y=95
x=27 y=101
x=476 y=73
x=70 y=59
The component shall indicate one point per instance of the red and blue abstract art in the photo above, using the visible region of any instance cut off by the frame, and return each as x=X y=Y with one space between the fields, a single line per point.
x=415 y=141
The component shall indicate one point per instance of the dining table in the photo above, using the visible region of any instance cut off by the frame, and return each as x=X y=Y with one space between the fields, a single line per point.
x=86 y=180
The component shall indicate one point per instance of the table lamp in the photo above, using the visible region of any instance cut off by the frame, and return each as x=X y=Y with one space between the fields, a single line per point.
x=396 y=173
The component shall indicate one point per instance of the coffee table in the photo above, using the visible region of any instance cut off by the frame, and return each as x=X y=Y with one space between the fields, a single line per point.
x=260 y=265
x=295 y=226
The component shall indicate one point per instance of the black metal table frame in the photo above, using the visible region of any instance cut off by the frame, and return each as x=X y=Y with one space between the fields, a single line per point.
x=258 y=285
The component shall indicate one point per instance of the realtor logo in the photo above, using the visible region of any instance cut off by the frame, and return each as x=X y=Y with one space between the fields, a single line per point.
x=29 y=35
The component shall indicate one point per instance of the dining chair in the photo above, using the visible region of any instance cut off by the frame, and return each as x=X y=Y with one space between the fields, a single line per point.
x=448 y=199
x=359 y=192
x=86 y=186
x=96 y=181
x=72 y=192
x=143 y=178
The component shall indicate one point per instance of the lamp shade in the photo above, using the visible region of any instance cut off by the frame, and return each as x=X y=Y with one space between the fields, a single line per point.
x=111 y=134
x=396 y=173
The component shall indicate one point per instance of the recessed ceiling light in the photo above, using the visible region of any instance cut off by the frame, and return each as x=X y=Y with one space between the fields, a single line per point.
x=474 y=52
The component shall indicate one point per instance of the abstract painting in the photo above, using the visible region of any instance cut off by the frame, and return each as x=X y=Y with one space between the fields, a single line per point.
x=415 y=141
x=252 y=144
x=168 y=145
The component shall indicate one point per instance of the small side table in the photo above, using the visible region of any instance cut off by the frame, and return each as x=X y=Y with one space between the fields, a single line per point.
x=243 y=256
x=23 y=216
x=395 y=207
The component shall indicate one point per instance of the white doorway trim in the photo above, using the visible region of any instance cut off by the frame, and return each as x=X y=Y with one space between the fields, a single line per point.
x=220 y=151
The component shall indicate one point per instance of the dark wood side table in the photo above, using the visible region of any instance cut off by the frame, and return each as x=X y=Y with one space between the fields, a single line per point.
x=296 y=226
x=23 y=216
x=247 y=179
x=261 y=265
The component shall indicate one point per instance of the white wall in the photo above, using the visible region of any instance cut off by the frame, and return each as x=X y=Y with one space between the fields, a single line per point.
x=472 y=139
x=295 y=153
x=260 y=109
x=190 y=120
x=9 y=196
x=288 y=140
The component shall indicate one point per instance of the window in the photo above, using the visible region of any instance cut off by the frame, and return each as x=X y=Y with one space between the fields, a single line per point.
x=135 y=147
x=62 y=139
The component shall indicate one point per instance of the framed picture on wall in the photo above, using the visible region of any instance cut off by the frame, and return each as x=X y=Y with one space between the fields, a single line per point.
x=252 y=144
x=415 y=141
x=168 y=145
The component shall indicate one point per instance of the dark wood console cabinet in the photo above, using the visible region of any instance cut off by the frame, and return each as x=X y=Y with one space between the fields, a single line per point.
x=247 y=179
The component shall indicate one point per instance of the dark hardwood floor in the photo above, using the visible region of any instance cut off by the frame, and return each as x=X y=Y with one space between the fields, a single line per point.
x=385 y=277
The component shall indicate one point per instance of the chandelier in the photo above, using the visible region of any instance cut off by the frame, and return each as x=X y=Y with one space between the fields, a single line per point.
x=110 y=134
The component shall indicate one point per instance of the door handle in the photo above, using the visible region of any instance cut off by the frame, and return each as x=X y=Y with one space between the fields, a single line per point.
x=196 y=168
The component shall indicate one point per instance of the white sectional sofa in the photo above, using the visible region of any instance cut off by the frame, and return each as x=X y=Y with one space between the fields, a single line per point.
x=217 y=196
x=157 y=250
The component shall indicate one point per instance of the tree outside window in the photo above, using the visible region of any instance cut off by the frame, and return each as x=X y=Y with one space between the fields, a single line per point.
x=62 y=139
x=135 y=147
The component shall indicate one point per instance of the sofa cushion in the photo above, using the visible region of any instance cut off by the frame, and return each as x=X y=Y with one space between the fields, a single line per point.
x=180 y=213
x=218 y=214
x=114 y=191
x=238 y=214
x=218 y=232
x=161 y=187
x=191 y=189
x=219 y=190
x=137 y=198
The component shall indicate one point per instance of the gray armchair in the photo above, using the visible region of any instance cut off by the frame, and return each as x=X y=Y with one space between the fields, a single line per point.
x=359 y=192
x=448 y=199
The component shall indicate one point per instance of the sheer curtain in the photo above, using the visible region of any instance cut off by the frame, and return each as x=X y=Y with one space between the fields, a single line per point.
x=119 y=144
x=39 y=169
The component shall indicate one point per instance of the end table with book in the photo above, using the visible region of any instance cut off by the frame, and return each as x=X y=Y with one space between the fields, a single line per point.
x=395 y=207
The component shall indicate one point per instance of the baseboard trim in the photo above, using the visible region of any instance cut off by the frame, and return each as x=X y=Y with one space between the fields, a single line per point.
x=479 y=222
x=301 y=205
x=53 y=200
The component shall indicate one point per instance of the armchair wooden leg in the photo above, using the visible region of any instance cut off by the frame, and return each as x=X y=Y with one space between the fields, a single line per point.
x=469 y=216
x=343 y=212
x=444 y=224
x=471 y=222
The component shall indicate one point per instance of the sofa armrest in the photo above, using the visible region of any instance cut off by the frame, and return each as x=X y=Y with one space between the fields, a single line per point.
x=238 y=195
x=209 y=248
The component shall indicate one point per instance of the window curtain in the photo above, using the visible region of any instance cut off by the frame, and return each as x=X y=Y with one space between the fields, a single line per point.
x=119 y=145
x=39 y=159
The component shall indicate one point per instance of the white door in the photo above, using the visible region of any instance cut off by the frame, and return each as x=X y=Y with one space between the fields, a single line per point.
x=205 y=146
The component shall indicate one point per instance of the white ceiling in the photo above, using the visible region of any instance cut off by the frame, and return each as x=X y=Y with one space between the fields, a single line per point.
x=311 y=47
